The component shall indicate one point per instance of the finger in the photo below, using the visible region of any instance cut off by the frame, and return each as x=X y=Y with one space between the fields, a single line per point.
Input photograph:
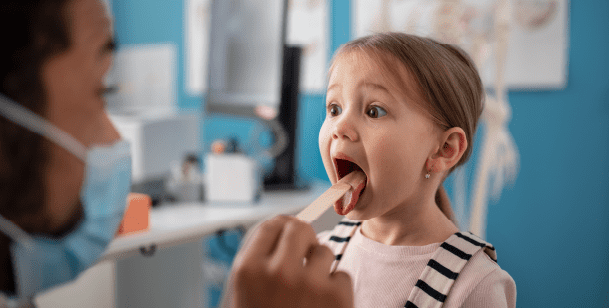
x=341 y=280
x=295 y=243
x=261 y=240
x=343 y=287
x=320 y=260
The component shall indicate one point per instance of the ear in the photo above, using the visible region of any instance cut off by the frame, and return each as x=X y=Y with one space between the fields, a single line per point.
x=453 y=145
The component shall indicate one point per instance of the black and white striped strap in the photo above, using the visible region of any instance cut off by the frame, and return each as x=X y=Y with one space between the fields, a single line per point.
x=444 y=267
x=340 y=236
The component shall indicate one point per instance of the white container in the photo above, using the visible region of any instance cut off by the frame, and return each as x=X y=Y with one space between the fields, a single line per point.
x=231 y=177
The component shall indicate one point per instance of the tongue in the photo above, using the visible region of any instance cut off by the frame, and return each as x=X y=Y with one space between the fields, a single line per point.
x=357 y=180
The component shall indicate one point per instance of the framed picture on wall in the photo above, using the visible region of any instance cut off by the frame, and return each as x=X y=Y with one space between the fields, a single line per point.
x=538 y=41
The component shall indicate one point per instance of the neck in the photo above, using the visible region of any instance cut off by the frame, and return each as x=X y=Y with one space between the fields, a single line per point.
x=410 y=225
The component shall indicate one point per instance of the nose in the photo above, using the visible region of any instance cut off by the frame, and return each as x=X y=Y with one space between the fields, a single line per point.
x=345 y=127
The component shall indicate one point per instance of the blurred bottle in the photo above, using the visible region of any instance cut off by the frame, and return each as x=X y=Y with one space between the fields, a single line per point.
x=185 y=183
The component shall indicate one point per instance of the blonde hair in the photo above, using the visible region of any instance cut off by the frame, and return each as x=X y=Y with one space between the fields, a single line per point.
x=445 y=78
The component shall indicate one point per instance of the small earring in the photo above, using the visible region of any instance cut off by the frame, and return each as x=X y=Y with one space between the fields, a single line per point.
x=428 y=174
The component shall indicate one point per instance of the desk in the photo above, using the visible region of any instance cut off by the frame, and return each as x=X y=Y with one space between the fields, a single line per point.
x=175 y=224
x=172 y=276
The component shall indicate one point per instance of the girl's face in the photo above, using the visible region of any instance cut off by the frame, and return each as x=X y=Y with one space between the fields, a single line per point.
x=373 y=124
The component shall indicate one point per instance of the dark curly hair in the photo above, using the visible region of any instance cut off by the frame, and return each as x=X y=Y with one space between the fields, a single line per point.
x=34 y=31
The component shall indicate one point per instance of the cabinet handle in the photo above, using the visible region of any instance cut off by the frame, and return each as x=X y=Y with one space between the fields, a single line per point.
x=148 y=252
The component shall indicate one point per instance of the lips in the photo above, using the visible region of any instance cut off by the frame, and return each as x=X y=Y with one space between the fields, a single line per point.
x=344 y=165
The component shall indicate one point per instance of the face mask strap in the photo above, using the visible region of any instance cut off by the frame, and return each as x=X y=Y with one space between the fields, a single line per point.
x=15 y=233
x=23 y=239
x=31 y=121
x=19 y=302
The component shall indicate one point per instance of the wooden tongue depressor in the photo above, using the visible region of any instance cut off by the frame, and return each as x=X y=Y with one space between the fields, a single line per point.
x=313 y=211
x=330 y=196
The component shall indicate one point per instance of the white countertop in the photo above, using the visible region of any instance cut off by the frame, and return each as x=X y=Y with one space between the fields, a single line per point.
x=174 y=224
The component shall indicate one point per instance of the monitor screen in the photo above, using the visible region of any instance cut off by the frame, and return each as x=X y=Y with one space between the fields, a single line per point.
x=245 y=55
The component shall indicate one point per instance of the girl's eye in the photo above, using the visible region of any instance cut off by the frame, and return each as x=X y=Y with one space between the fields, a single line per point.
x=376 y=112
x=335 y=110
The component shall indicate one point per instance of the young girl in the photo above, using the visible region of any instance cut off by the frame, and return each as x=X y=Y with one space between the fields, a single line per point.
x=403 y=110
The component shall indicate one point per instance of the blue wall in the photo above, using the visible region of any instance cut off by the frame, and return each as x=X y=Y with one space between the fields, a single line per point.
x=551 y=228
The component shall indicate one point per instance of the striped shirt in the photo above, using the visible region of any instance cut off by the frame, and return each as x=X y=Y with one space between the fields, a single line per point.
x=385 y=276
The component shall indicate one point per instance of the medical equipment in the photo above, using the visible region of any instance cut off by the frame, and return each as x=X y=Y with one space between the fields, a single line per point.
x=252 y=73
x=350 y=186
x=499 y=158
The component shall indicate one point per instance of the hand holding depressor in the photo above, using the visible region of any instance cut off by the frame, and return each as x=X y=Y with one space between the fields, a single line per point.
x=269 y=270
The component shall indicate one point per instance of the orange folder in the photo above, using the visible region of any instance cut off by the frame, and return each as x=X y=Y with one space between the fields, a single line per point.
x=137 y=216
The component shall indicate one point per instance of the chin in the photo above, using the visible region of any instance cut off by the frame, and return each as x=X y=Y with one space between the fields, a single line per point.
x=354 y=215
x=359 y=214
x=362 y=208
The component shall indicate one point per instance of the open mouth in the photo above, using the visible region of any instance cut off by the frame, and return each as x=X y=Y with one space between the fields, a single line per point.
x=347 y=203
x=344 y=167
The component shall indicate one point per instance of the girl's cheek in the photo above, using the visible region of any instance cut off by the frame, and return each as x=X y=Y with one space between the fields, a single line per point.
x=324 y=134
x=324 y=149
x=325 y=140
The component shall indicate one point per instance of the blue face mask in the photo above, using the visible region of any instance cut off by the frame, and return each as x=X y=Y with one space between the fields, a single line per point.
x=40 y=262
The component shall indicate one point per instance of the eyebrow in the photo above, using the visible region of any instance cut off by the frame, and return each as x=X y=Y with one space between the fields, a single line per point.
x=367 y=84
x=376 y=86
x=332 y=86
